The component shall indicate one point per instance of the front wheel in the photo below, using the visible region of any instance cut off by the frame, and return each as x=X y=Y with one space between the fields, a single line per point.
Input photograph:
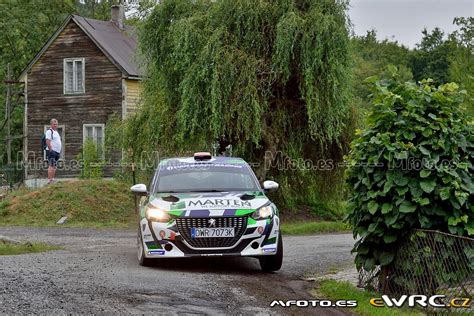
x=142 y=260
x=273 y=262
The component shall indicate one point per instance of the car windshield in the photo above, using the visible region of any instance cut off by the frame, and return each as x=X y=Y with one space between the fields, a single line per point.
x=205 y=177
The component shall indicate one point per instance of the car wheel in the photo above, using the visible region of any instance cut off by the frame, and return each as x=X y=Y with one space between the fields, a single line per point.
x=273 y=262
x=142 y=260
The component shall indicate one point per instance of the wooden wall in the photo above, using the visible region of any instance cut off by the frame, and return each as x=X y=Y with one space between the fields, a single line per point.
x=132 y=95
x=46 y=100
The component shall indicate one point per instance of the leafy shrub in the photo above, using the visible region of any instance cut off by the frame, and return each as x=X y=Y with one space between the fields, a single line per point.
x=410 y=168
x=123 y=135
x=92 y=163
x=4 y=207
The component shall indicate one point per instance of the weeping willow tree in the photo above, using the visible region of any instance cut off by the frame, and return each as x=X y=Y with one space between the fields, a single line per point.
x=267 y=76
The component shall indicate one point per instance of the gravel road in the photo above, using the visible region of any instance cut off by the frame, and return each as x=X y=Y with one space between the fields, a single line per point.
x=97 y=272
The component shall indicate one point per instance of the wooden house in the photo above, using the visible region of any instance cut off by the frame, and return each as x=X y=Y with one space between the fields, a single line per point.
x=85 y=73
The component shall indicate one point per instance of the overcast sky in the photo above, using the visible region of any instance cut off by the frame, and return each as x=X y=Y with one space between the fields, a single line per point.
x=403 y=20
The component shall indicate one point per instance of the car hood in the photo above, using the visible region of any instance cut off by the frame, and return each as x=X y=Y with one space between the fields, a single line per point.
x=209 y=201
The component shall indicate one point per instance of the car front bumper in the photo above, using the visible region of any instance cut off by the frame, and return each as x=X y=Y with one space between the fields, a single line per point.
x=166 y=240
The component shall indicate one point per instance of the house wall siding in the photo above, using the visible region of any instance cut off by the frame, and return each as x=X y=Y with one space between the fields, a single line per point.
x=132 y=97
x=46 y=100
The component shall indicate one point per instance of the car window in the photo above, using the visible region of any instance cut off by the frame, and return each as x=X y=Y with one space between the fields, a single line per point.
x=199 y=177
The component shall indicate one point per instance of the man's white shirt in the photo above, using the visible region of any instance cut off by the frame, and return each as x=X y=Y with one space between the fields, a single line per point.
x=55 y=140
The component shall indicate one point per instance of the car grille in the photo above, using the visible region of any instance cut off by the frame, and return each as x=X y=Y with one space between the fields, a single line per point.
x=186 y=223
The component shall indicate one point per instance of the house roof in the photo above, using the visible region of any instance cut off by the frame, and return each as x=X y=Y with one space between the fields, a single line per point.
x=120 y=46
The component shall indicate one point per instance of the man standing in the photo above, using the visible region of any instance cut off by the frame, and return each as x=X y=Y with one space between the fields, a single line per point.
x=53 y=141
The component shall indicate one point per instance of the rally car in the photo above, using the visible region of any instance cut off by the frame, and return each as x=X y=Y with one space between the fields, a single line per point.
x=208 y=206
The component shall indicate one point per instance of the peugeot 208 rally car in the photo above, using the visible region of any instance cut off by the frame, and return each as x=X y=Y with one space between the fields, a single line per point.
x=208 y=206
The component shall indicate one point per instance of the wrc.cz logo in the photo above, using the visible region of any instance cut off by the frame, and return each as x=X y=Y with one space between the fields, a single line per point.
x=420 y=300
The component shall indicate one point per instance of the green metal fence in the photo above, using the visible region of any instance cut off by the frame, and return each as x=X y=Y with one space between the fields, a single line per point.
x=428 y=263
x=11 y=174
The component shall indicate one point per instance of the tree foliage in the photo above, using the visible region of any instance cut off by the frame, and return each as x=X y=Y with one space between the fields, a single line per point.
x=268 y=77
x=439 y=57
x=446 y=58
x=410 y=168
x=370 y=57
x=461 y=58
x=430 y=59
x=24 y=28
x=251 y=73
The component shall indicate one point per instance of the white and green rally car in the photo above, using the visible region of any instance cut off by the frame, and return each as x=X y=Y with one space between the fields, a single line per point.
x=208 y=206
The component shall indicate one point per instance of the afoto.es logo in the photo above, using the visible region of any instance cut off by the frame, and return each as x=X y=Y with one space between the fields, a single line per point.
x=314 y=303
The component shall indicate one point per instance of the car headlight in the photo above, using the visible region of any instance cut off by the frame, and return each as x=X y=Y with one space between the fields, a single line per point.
x=157 y=215
x=263 y=212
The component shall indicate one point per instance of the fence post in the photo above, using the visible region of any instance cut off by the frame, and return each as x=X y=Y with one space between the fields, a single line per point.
x=134 y=180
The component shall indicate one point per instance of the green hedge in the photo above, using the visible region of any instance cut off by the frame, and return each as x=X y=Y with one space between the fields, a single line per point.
x=410 y=168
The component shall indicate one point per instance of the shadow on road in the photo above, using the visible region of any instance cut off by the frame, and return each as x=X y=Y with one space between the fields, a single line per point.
x=219 y=265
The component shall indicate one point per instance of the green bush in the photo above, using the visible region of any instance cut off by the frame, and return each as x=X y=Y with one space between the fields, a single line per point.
x=410 y=168
x=92 y=163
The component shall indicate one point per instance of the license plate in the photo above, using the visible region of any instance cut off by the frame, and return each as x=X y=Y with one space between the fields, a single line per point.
x=212 y=232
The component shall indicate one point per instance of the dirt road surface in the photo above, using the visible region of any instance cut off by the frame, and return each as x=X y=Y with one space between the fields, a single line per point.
x=96 y=272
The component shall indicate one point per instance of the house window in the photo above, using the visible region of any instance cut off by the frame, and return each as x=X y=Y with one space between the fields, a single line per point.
x=95 y=132
x=62 y=132
x=74 y=74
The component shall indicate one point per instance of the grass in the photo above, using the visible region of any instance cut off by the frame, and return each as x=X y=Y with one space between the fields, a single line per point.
x=18 y=249
x=86 y=203
x=313 y=227
x=104 y=203
x=338 y=290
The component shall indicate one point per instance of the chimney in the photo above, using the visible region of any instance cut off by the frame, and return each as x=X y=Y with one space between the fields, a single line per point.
x=118 y=15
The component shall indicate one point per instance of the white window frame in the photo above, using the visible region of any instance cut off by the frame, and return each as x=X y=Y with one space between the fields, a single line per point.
x=74 y=77
x=63 y=142
x=94 y=135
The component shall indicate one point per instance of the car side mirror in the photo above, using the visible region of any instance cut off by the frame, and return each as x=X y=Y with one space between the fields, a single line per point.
x=270 y=186
x=139 y=189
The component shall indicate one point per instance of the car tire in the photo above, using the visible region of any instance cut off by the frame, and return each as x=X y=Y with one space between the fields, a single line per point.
x=142 y=260
x=273 y=262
